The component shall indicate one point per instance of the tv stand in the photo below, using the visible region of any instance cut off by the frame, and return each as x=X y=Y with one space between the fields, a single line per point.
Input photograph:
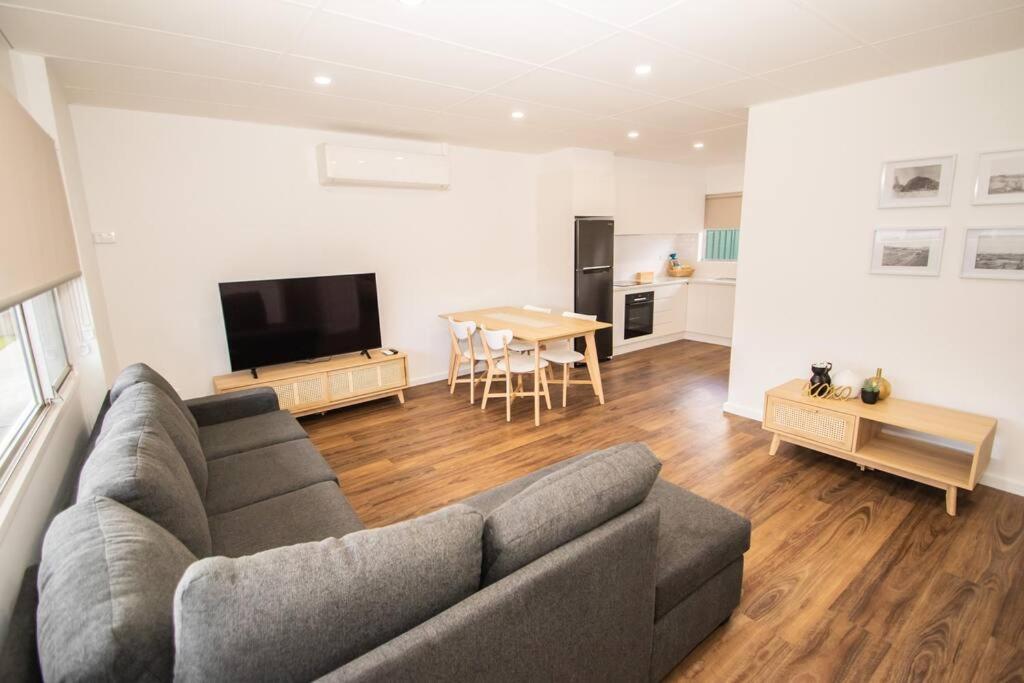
x=303 y=388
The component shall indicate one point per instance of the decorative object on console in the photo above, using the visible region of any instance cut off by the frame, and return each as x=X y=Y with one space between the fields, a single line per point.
x=869 y=393
x=907 y=251
x=819 y=375
x=1000 y=177
x=831 y=391
x=848 y=378
x=880 y=383
x=994 y=253
x=917 y=182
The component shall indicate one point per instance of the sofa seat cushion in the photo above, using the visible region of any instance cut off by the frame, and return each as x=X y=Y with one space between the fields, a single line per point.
x=248 y=433
x=106 y=593
x=143 y=400
x=300 y=612
x=309 y=514
x=136 y=464
x=696 y=540
x=140 y=372
x=246 y=478
x=565 y=504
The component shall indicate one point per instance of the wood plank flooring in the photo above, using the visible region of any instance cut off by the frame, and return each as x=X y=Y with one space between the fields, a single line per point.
x=850 y=576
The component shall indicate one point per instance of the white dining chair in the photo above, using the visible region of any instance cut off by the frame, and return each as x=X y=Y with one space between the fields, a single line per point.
x=504 y=366
x=462 y=335
x=521 y=345
x=562 y=353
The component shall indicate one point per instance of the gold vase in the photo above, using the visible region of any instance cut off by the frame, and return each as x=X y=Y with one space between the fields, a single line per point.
x=882 y=384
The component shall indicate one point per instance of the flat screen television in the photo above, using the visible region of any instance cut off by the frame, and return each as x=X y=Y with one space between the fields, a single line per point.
x=302 y=318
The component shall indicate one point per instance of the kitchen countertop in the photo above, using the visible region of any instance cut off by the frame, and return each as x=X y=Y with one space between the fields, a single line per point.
x=625 y=285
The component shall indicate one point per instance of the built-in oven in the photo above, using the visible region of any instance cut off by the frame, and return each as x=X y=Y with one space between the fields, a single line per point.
x=639 y=315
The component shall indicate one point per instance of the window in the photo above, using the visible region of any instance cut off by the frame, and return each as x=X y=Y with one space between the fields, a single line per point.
x=721 y=244
x=33 y=365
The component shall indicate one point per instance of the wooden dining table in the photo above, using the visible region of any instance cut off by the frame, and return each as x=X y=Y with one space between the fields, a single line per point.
x=540 y=328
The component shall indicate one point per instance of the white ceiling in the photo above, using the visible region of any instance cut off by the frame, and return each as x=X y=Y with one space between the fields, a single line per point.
x=454 y=70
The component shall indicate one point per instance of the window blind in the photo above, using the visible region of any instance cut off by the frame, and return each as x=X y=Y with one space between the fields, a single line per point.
x=721 y=244
x=722 y=210
x=37 y=243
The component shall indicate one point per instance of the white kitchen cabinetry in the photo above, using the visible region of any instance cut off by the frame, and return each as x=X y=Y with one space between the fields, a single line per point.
x=710 y=309
x=657 y=198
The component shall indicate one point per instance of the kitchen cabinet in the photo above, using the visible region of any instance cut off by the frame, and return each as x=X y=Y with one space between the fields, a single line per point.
x=657 y=198
x=710 y=309
x=670 y=303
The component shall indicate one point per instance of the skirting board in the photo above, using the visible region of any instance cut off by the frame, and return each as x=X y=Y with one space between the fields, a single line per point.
x=996 y=481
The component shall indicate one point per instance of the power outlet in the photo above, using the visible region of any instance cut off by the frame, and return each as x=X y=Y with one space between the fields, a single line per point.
x=104 y=238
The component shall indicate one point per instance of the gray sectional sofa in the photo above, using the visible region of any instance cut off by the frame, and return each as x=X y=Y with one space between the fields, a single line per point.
x=210 y=541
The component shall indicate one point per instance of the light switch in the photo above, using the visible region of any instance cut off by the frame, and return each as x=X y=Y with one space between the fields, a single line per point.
x=104 y=238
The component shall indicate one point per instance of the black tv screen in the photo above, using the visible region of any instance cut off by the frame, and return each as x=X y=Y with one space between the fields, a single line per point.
x=279 y=321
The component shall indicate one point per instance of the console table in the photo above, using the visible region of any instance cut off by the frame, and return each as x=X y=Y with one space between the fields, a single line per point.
x=852 y=430
x=316 y=386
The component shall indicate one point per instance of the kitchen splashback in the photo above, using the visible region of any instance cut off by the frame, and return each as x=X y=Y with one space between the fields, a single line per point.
x=634 y=253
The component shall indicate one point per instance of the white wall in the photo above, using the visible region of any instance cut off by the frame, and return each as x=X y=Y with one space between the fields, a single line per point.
x=658 y=197
x=724 y=178
x=809 y=212
x=41 y=485
x=199 y=201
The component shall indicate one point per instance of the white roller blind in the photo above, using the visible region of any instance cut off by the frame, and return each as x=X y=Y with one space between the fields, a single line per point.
x=722 y=210
x=37 y=244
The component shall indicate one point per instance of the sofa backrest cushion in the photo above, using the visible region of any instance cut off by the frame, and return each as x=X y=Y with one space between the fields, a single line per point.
x=565 y=505
x=136 y=464
x=143 y=400
x=106 y=595
x=140 y=372
x=299 y=612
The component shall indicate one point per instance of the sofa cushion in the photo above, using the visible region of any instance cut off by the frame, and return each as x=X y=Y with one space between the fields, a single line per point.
x=136 y=464
x=565 y=504
x=299 y=612
x=310 y=514
x=246 y=478
x=487 y=501
x=248 y=433
x=696 y=540
x=143 y=400
x=106 y=591
x=140 y=372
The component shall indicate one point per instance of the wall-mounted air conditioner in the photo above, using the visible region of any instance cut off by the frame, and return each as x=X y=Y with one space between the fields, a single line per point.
x=341 y=165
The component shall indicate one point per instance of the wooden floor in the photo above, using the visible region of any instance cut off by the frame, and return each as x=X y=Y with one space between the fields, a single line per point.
x=850 y=575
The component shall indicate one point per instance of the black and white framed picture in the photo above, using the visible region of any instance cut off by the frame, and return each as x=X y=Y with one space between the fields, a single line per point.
x=996 y=253
x=1000 y=177
x=907 y=251
x=917 y=182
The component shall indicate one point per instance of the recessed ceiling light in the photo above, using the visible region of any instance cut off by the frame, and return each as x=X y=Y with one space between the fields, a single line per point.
x=518 y=114
x=642 y=69
x=698 y=145
x=323 y=80
x=399 y=158
x=633 y=135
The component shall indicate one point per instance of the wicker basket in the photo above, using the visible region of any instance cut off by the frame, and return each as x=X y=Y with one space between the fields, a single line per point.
x=681 y=271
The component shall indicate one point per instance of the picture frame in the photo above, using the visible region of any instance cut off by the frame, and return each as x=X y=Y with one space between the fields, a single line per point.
x=917 y=182
x=907 y=251
x=1000 y=177
x=994 y=253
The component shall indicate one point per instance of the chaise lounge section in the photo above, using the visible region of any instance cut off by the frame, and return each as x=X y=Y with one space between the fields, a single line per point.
x=210 y=540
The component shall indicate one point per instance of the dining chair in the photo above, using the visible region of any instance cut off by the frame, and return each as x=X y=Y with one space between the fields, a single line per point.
x=474 y=352
x=521 y=345
x=562 y=353
x=504 y=366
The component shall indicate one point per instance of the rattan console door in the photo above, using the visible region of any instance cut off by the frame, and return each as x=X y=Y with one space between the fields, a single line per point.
x=810 y=423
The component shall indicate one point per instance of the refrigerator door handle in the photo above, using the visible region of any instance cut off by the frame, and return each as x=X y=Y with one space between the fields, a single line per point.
x=594 y=268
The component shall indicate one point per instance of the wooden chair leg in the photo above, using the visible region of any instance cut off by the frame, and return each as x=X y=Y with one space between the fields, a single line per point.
x=544 y=387
x=472 y=381
x=565 y=382
x=487 y=390
x=508 y=396
x=455 y=375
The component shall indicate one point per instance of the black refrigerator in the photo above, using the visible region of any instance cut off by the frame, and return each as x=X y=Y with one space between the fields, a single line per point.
x=595 y=254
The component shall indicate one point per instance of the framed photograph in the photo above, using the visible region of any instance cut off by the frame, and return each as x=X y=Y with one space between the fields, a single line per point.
x=917 y=182
x=1000 y=178
x=907 y=251
x=996 y=253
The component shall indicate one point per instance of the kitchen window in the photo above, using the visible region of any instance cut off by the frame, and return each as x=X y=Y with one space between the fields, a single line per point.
x=720 y=244
x=720 y=240
x=33 y=366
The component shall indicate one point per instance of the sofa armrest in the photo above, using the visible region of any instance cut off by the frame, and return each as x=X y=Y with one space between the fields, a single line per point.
x=234 y=405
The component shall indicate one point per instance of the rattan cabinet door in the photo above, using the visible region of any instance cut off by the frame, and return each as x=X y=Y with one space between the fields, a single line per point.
x=811 y=423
